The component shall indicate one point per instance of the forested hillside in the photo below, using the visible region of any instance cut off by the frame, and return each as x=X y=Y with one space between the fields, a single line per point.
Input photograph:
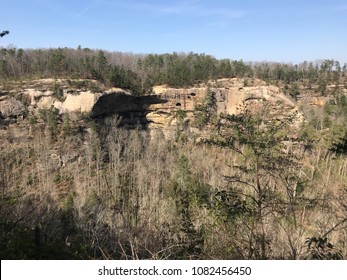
x=139 y=72
x=254 y=185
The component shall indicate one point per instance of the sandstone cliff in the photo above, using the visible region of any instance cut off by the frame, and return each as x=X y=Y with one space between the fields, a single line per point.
x=232 y=96
x=156 y=111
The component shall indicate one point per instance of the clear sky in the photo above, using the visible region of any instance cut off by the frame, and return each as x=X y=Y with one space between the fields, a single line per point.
x=252 y=30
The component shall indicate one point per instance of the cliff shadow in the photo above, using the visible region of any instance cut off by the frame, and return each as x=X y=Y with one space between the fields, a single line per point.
x=132 y=110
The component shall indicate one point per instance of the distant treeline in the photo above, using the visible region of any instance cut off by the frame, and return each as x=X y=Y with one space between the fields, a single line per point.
x=139 y=73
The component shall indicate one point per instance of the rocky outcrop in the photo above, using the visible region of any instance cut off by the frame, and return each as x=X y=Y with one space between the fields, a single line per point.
x=156 y=111
x=66 y=99
x=12 y=108
x=232 y=96
x=70 y=101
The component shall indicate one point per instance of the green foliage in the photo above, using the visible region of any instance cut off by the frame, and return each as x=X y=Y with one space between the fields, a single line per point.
x=180 y=115
x=56 y=61
x=308 y=135
x=181 y=123
x=250 y=131
x=3 y=68
x=188 y=193
x=30 y=243
x=32 y=120
x=257 y=139
x=67 y=127
x=38 y=233
x=330 y=131
x=229 y=205
x=140 y=73
x=337 y=140
x=127 y=79
x=206 y=112
x=293 y=90
x=58 y=92
x=188 y=185
x=51 y=118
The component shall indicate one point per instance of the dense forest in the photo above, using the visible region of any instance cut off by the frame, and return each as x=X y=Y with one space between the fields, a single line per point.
x=248 y=190
x=140 y=72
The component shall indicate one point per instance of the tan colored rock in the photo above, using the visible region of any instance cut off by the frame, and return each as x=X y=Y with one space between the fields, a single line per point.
x=12 y=108
x=319 y=101
x=82 y=102
x=232 y=97
x=46 y=102
x=35 y=94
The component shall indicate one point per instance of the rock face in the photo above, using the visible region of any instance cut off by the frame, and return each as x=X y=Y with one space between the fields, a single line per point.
x=46 y=93
x=156 y=111
x=232 y=96
x=77 y=102
x=12 y=108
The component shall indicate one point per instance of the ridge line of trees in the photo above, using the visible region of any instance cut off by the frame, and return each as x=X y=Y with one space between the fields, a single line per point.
x=138 y=72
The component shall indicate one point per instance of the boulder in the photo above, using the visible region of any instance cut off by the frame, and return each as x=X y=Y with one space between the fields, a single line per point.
x=12 y=108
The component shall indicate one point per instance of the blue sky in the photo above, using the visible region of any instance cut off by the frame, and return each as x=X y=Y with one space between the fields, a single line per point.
x=252 y=30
